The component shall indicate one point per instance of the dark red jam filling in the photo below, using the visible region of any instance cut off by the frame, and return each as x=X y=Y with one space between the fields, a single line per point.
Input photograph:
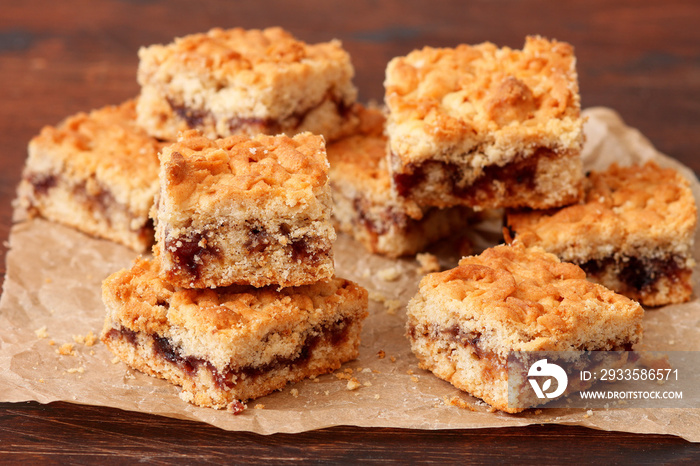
x=300 y=249
x=258 y=240
x=42 y=182
x=190 y=253
x=263 y=125
x=455 y=333
x=196 y=118
x=103 y=202
x=128 y=335
x=494 y=365
x=472 y=339
x=291 y=122
x=639 y=274
x=147 y=231
x=193 y=252
x=516 y=176
x=334 y=335
x=382 y=225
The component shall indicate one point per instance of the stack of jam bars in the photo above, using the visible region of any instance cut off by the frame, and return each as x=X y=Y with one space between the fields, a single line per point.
x=240 y=297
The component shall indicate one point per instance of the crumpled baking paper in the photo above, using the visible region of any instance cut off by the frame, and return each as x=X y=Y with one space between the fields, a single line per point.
x=51 y=306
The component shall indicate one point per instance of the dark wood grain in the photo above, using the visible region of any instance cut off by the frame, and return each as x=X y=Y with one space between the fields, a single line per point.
x=641 y=58
x=67 y=434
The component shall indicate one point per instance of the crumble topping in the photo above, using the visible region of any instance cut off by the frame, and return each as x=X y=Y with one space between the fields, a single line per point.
x=256 y=57
x=281 y=166
x=493 y=102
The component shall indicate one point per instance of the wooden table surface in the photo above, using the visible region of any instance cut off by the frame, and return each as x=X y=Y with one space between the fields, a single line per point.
x=641 y=58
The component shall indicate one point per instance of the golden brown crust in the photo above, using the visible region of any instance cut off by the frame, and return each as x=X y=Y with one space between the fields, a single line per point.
x=252 y=168
x=149 y=304
x=642 y=210
x=497 y=103
x=254 y=56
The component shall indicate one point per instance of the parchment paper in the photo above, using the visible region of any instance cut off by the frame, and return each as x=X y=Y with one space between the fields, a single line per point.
x=51 y=298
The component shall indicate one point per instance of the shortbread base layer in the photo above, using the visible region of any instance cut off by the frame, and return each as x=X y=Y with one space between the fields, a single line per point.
x=651 y=282
x=203 y=385
x=456 y=357
x=250 y=253
x=544 y=180
x=85 y=206
x=484 y=376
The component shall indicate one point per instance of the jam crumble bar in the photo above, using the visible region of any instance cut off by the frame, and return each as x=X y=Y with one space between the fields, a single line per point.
x=242 y=210
x=231 y=344
x=486 y=127
x=464 y=322
x=366 y=206
x=95 y=172
x=238 y=81
x=633 y=232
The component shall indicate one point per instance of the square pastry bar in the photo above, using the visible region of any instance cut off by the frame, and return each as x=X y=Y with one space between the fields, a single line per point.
x=366 y=206
x=465 y=322
x=486 y=127
x=96 y=172
x=633 y=232
x=238 y=81
x=240 y=210
x=232 y=344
